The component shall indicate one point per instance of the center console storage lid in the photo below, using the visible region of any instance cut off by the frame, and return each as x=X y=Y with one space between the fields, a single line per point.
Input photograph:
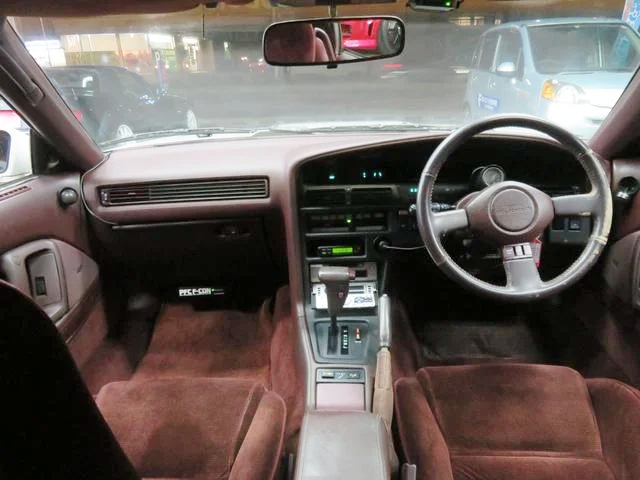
x=339 y=445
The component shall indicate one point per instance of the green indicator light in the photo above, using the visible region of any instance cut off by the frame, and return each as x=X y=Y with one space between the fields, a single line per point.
x=413 y=189
x=447 y=4
x=342 y=250
x=349 y=219
x=332 y=177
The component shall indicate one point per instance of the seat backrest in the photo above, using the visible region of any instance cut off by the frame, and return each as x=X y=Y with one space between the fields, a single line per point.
x=50 y=425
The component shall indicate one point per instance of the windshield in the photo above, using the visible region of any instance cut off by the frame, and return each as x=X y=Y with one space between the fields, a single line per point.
x=201 y=73
x=585 y=48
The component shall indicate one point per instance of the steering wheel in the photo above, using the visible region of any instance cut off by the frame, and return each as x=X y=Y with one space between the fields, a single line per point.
x=512 y=214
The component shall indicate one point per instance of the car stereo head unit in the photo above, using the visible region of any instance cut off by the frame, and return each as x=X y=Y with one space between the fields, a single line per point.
x=339 y=250
x=335 y=247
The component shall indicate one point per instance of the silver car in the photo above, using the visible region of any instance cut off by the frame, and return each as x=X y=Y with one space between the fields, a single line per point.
x=570 y=71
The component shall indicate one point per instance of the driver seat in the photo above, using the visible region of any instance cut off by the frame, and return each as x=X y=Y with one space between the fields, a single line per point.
x=517 y=421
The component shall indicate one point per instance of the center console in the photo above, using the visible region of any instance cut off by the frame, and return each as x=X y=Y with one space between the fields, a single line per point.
x=344 y=212
x=353 y=208
x=341 y=223
x=336 y=445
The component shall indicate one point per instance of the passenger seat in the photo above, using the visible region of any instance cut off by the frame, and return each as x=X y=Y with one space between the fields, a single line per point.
x=203 y=428
x=172 y=428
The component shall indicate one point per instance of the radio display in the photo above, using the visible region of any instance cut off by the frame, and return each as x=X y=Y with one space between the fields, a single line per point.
x=352 y=250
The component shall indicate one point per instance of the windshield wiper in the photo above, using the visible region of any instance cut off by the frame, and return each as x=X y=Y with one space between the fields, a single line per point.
x=310 y=128
x=302 y=128
x=197 y=132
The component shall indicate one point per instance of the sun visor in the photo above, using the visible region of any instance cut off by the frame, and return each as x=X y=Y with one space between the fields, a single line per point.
x=320 y=3
x=88 y=8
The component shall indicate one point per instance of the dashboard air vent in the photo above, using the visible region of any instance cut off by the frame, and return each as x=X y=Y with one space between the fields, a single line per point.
x=195 y=191
x=371 y=196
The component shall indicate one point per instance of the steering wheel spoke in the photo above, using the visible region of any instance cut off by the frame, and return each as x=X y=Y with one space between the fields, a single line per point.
x=520 y=267
x=582 y=204
x=444 y=222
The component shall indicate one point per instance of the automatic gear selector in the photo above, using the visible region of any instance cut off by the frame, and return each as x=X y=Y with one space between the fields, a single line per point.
x=336 y=281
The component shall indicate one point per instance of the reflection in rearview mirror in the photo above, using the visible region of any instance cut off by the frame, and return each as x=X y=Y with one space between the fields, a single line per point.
x=331 y=41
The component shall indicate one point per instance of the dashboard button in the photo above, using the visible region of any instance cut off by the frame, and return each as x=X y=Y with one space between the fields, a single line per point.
x=575 y=224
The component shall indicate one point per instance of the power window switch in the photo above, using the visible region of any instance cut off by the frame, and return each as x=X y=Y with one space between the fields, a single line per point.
x=40 y=286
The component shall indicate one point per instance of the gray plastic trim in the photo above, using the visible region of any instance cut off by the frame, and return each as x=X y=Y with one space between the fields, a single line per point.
x=75 y=273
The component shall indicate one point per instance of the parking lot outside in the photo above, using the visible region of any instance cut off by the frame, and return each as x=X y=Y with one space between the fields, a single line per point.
x=222 y=73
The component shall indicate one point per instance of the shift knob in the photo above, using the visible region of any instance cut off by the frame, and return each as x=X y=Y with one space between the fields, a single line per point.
x=336 y=281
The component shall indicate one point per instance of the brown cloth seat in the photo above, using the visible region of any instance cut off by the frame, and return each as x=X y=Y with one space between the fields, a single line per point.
x=181 y=428
x=517 y=421
x=200 y=428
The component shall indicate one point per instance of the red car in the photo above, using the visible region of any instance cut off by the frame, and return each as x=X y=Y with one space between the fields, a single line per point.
x=374 y=35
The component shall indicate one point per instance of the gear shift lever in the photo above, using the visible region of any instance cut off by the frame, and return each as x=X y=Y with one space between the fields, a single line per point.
x=336 y=281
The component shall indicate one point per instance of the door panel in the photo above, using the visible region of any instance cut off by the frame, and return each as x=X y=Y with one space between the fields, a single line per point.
x=55 y=274
x=612 y=316
x=44 y=251
x=30 y=210
x=627 y=171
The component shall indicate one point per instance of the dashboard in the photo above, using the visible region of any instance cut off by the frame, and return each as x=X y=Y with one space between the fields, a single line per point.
x=217 y=210
x=351 y=202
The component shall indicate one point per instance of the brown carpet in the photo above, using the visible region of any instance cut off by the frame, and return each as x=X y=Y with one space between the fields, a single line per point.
x=188 y=343
x=109 y=363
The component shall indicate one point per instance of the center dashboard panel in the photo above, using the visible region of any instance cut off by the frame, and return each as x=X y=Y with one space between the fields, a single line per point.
x=349 y=203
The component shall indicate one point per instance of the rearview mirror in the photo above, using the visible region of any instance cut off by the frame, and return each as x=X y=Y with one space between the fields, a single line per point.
x=332 y=41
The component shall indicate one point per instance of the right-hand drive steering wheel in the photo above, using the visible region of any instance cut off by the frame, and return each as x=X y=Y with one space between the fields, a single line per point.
x=512 y=214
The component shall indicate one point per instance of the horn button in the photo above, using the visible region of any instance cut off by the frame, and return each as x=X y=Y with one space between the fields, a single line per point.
x=510 y=212
x=513 y=210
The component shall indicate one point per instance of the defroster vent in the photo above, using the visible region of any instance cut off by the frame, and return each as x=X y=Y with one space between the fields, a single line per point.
x=194 y=191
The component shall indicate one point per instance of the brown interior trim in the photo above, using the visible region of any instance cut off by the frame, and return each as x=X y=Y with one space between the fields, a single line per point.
x=81 y=8
x=84 y=8
x=41 y=216
x=628 y=220
x=76 y=317
x=619 y=129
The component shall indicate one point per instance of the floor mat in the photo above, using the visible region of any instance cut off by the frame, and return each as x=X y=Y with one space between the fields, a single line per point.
x=109 y=363
x=508 y=338
x=209 y=343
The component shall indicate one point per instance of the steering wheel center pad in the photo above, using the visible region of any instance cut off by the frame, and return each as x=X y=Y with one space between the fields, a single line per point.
x=510 y=212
